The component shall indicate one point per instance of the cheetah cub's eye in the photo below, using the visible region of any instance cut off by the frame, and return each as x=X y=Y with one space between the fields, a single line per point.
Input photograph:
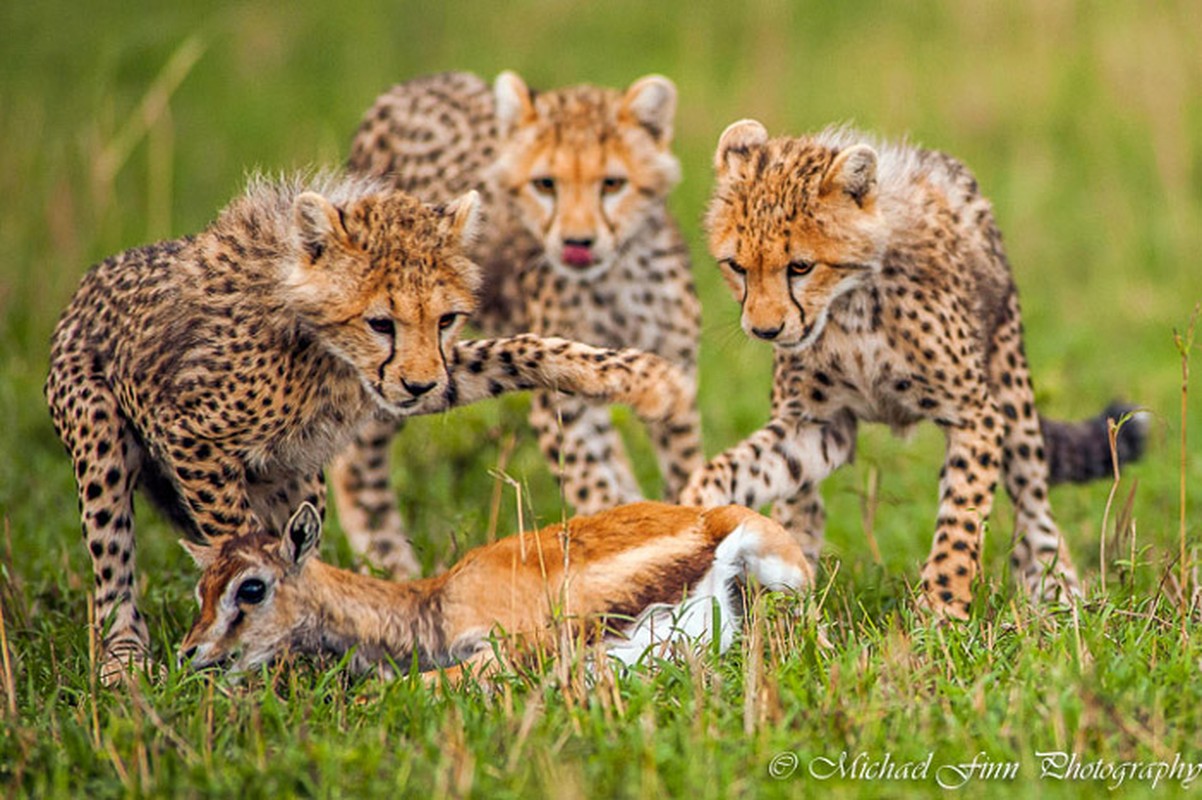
x=544 y=186
x=734 y=267
x=799 y=268
x=382 y=325
x=612 y=185
x=447 y=320
x=252 y=591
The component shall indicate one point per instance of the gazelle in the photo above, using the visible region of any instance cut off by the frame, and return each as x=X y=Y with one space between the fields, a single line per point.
x=637 y=576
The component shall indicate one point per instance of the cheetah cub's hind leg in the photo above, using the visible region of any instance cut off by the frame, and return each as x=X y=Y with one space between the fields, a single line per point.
x=1040 y=558
x=275 y=495
x=107 y=458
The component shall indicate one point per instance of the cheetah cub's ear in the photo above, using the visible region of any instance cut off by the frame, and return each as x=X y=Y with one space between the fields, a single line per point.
x=318 y=224
x=651 y=102
x=301 y=536
x=515 y=106
x=463 y=215
x=735 y=144
x=853 y=172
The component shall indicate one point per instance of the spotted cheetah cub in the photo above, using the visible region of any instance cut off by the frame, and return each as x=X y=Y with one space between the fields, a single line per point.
x=578 y=243
x=878 y=274
x=222 y=371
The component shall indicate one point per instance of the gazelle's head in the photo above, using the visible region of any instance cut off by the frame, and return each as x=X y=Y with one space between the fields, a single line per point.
x=249 y=594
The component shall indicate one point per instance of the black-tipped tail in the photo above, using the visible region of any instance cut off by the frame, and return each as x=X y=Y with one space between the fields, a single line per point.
x=1080 y=451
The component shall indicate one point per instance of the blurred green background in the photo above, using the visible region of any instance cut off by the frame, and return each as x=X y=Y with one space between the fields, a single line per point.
x=127 y=122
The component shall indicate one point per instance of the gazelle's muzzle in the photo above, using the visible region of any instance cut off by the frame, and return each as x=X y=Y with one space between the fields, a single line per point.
x=202 y=656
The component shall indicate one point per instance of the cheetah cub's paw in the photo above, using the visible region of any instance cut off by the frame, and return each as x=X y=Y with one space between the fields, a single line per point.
x=123 y=662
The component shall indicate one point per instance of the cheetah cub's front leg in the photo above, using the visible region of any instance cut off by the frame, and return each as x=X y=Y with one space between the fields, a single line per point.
x=966 y=487
x=658 y=391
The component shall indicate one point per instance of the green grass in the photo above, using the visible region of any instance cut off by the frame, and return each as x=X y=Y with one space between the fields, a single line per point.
x=1083 y=123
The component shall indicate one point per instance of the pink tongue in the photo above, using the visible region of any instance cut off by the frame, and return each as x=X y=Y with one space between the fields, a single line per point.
x=577 y=255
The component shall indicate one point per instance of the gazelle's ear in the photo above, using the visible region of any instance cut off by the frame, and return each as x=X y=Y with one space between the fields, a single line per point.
x=515 y=105
x=202 y=555
x=463 y=217
x=651 y=102
x=735 y=144
x=318 y=224
x=302 y=536
x=853 y=172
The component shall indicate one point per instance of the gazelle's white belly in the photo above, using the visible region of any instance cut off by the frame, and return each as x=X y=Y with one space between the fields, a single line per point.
x=712 y=608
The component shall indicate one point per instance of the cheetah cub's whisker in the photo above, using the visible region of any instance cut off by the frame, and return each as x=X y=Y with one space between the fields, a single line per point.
x=638 y=578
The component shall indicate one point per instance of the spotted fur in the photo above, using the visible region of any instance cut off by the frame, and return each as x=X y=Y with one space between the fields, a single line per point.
x=222 y=371
x=578 y=243
x=878 y=274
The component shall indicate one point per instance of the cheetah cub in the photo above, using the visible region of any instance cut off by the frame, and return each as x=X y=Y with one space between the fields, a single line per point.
x=578 y=243
x=222 y=371
x=878 y=274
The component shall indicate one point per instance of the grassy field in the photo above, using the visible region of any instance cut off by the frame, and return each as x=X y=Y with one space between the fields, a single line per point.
x=126 y=122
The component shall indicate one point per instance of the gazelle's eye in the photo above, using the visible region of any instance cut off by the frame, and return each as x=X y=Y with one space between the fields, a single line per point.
x=447 y=320
x=382 y=325
x=545 y=186
x=252 y=591
x=800 y=268
x=612 y=184
x=734 y=267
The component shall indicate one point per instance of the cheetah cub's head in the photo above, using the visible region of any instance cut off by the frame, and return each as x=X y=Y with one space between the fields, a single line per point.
x=584 y=165
x=382 y=282
x=794 y=225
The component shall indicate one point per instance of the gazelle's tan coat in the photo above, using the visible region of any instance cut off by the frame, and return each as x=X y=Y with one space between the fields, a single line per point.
x=638 y=576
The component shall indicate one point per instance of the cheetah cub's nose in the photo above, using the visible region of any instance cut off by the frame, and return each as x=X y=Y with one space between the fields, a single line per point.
x=768 y=334
x=417 y=389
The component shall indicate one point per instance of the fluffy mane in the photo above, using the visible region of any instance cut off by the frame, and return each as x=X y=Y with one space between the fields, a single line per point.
x=265 y=210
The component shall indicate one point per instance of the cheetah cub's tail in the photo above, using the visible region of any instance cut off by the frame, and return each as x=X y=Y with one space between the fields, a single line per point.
x=1080 y=451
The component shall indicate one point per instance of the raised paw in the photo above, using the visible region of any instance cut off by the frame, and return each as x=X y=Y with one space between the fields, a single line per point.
x=655 y=389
